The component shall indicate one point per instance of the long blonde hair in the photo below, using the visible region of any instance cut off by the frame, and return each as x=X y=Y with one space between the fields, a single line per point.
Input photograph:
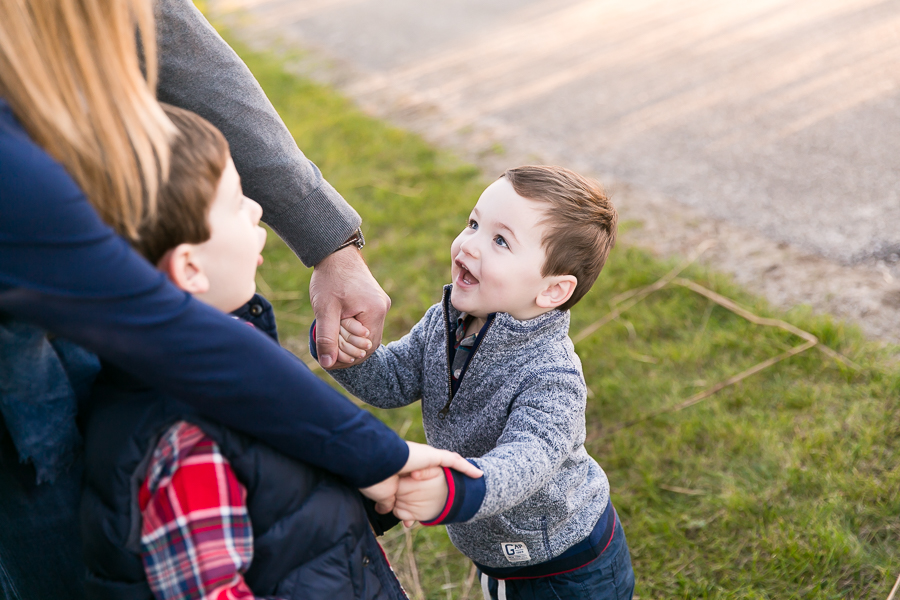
x=71 y=72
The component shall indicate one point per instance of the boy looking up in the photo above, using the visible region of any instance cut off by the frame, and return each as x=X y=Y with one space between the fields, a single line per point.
x=176 y=506
x=500 y=383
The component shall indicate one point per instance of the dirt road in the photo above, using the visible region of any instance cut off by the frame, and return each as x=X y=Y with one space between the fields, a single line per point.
x=772 y=126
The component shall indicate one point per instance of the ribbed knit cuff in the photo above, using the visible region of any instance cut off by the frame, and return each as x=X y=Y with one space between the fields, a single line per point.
x=316 y=225
x=312 y=341
x=464 y=497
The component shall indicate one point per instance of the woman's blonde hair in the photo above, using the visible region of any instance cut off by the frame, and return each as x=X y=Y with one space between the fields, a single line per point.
x=70 y=70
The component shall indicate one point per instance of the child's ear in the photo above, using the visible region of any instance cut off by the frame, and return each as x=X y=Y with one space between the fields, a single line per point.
x=181 y=265
x=558 y=291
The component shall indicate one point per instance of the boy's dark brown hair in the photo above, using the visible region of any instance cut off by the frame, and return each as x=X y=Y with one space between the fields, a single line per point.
x=199 y=156
x=581 y=222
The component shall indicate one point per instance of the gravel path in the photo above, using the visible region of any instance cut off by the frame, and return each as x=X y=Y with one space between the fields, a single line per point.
x=770 y=126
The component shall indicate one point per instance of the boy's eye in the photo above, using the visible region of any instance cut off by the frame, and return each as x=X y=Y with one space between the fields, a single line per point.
x=501 y=242
x=473 y=224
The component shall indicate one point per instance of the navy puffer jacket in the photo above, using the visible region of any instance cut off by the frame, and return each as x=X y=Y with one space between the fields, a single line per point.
x=312 y=537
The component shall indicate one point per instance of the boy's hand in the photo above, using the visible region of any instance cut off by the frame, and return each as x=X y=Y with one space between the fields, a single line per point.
x=353 y=343
x=421 y=498
x=383 y=494
x=425 y=460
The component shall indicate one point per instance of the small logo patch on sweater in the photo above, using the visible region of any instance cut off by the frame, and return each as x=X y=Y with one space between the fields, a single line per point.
x=515 y=552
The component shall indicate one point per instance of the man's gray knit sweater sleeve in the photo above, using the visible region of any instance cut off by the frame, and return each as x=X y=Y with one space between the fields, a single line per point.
x=392 y=376
x=198 y=71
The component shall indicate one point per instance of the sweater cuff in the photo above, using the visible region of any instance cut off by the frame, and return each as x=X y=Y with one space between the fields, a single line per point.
x=315 y=226
x=464 y=497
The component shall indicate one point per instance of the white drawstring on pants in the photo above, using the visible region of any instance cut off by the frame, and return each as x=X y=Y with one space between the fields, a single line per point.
x=501 y=588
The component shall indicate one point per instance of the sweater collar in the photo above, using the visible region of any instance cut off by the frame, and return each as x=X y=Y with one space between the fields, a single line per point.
x=512 y=333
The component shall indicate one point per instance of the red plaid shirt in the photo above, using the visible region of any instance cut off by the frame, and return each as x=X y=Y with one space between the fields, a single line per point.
x=196 y=537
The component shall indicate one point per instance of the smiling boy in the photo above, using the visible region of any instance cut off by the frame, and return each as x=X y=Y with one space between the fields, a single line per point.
x=500 y=383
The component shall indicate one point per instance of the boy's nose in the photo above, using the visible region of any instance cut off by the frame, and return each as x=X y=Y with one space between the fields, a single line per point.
x=256 y=211
x=470 y=247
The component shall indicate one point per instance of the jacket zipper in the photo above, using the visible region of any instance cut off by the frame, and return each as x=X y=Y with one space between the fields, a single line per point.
x=442 y=414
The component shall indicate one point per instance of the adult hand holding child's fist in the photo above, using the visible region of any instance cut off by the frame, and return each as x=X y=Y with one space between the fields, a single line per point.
x=421 y=468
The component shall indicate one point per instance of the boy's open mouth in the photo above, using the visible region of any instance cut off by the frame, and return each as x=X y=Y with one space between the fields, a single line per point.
x=465 y=276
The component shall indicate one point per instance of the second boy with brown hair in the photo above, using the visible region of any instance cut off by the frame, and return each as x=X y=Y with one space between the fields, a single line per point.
x=179 y=507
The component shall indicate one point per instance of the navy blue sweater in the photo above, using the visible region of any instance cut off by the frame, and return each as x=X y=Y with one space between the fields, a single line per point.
x=63 y=269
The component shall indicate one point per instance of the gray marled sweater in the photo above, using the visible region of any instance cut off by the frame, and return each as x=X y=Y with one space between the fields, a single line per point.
x=518 y=414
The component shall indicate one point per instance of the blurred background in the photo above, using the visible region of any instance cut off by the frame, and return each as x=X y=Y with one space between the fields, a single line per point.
x=771 y=126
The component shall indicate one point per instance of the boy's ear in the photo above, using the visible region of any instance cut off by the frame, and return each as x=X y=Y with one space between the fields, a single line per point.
x=558 y=291
x=181 y=265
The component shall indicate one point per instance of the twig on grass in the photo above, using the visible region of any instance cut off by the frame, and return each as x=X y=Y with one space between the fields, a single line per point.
x=729 y=304
x=743 y=312
x=390 y=536
x=263 y=285
x=682 y=567
x=733 y=307
x=286 y=295
x=470 y=580
x=411 y=562
x=680 y=490
x=710 y=391
x=894 y=589
x=628 y=299
x=286 y=316
x=742 y=375
x=838 y=357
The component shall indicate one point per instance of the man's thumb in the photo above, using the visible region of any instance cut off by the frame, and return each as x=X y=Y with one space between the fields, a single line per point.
x=328 y=328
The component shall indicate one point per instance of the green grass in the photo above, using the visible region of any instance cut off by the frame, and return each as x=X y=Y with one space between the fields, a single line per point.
x=794 y=471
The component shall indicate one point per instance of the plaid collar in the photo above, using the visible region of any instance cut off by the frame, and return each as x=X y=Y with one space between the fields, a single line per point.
x=464 y=346
x=461 y=322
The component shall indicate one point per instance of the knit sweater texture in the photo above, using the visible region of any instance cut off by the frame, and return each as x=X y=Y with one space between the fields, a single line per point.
x=519 y=415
